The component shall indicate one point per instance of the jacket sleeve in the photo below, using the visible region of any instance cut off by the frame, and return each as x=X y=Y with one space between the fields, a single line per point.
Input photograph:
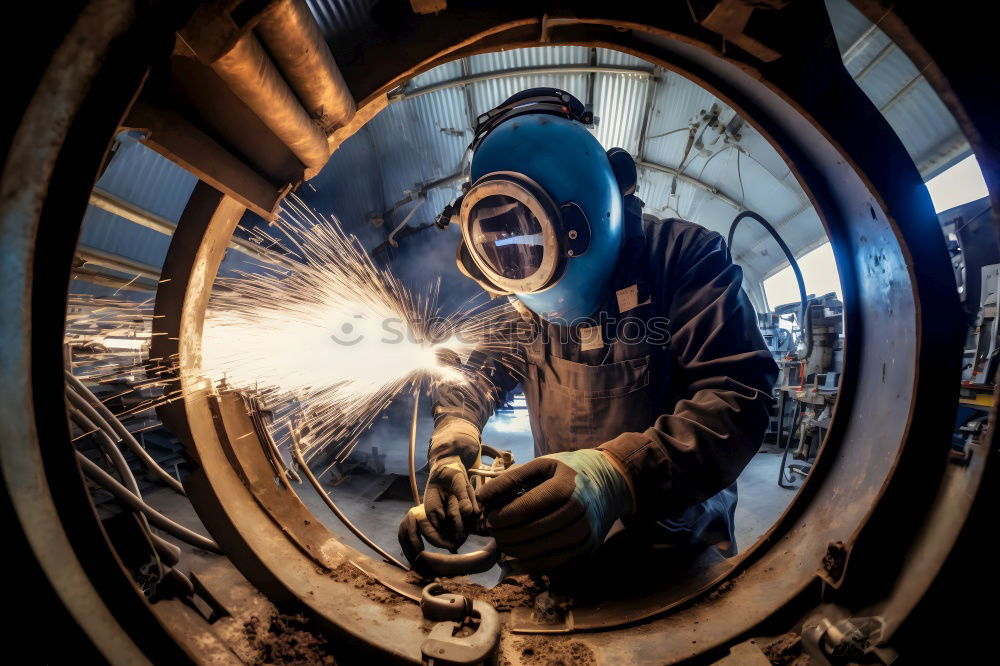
x=490 y=378
x=724 y=376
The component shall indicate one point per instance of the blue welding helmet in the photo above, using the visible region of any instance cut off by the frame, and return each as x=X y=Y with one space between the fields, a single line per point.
x=542 y=219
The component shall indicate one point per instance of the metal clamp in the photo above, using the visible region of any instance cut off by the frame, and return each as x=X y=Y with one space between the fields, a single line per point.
x=846 y=639
x=454 y=615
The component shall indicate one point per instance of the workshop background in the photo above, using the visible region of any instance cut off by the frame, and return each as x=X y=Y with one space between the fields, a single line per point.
x=697 y=158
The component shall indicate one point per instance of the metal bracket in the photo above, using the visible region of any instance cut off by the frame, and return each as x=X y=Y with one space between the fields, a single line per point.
x=849 y=638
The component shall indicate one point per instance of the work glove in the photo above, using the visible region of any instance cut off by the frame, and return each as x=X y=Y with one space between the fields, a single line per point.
x=556 y=508
x=449 y=500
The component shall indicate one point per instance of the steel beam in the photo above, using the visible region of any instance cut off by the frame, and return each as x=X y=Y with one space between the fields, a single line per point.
x=520 y=71
x=691 y=180
x=144 y=218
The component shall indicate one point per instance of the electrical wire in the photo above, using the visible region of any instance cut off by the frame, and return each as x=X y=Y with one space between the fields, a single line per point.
x=739 y=174
x=122 y=433
x=341 y=516
x=134 y=502
x=414 y=489
x=673 y=131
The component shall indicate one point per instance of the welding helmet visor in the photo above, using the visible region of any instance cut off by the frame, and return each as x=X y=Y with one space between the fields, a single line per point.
x=517 y=236
x=507 y=235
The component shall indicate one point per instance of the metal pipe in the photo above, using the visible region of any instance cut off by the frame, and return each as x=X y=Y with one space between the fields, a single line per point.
x=520 y=71
x=304 y=466
x=92 y=255
x=413 y=448
x=392 y=234
x=119 y=429
x=901 y=93
x=690 y=180
x=253 y=77
x=129 y=211
x=874 y=62
x=144 y=218
x=106 y=481
x=107 y=280
x=294 y=40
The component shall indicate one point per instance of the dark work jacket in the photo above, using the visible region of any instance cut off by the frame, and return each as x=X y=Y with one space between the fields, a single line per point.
x=682 y=403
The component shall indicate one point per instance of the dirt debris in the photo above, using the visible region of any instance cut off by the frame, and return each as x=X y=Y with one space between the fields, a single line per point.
x=724 y=588
x=511 y=592
x=550 y=651
x=374 y=590
x=786 y=650
x=284 y=639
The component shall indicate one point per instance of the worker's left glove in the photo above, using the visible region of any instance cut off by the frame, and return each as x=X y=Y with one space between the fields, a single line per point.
x=556 y=508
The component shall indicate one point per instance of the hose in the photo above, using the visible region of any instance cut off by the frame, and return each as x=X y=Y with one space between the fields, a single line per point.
x=304 y=466
x=108 y=482
x=124 y=435
x=413 y=448
x=803 y=297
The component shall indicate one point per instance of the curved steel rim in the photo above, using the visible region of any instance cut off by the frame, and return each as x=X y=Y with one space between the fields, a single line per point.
x=888 y=231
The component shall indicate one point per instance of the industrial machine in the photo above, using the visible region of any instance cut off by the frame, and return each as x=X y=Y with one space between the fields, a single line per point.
x=250 y=98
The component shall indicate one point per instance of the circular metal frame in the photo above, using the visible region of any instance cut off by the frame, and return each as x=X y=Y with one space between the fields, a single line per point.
x=869 y=493
x=534 y=198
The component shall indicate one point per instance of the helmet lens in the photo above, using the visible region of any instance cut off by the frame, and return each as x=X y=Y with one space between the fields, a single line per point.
x=507 y=235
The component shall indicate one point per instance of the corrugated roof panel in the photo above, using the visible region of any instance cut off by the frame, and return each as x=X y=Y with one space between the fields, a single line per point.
x=108 y=232
x=678 y=100
x=889 y=78
x=921 y=111
x=445 y=72
x=145 y=178
x=542 y=56
x=488 y=94
x=620 y=105
x=336 y=17
x=865 y=55
x=350 y=186
x=848 y=25
x=421 y=139
x=619 y=59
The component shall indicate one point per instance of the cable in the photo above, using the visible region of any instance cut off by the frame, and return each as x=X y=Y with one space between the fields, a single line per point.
x=304 y=466
x=788 y=445
x=123 y=434
x=413 y=448
x=791 y=260
x=108 y=482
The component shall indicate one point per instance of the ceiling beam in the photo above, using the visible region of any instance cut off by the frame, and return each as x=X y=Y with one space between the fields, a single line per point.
x=402 y=93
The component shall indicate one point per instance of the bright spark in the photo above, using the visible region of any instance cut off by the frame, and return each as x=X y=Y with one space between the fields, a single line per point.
x=338 y=336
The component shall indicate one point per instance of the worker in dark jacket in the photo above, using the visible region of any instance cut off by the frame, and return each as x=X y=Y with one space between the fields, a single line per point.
x=646 y=378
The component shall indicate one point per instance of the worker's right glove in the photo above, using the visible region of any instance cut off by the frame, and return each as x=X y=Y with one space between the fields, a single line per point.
x=449 y=499
x=556 y=508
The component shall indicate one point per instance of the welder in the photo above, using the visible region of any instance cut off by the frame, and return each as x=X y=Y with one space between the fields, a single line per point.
x=646 y=378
